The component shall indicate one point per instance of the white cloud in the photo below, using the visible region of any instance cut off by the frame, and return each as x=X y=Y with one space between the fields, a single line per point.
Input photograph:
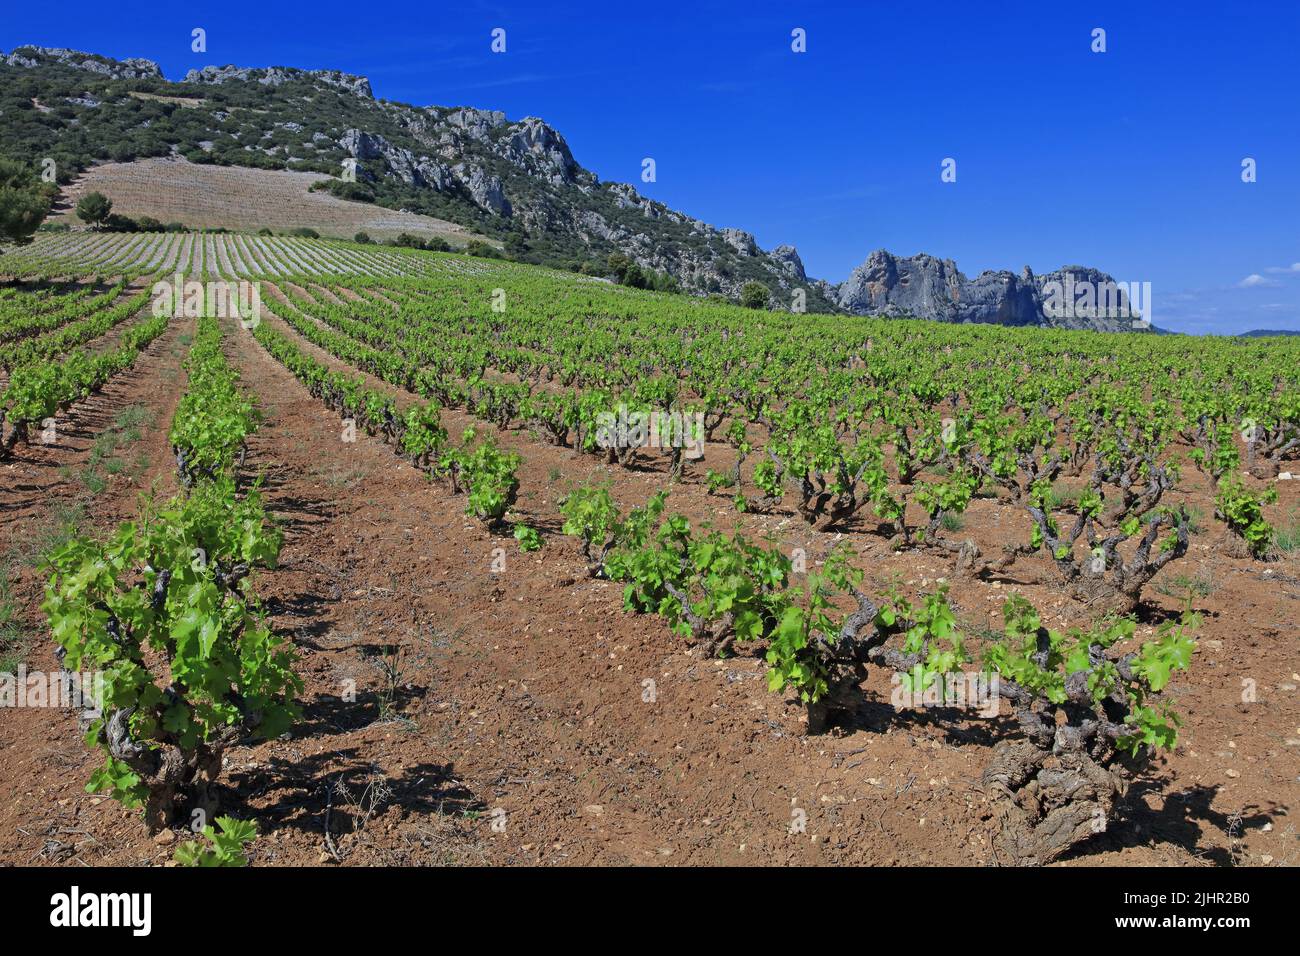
x=1253 y=280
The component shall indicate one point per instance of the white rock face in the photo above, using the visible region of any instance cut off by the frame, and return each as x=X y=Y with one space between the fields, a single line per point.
x=402 y=163
x=539 y=150
x=743 y=242
x=484 y=188
x=478 y=124
x=788 y=258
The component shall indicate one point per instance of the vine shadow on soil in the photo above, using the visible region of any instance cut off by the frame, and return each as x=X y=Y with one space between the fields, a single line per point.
x=960 y=726
x=301 y=791
x=327 y=714
x=1178 y=822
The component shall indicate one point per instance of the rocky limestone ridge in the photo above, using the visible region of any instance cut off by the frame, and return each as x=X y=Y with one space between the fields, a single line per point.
x=454 y=150
x=459 y=146
x=930 y=288
x=136 y=68
x=30 y=57
x=278 y=75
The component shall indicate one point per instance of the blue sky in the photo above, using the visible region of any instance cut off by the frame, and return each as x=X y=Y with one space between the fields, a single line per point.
x=1128 y=160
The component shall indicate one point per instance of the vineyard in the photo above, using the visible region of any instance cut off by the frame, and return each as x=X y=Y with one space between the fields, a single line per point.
x=209 y=254
x=444 y=559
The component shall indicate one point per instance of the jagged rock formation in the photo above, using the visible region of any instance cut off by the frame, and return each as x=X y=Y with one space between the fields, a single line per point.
x=533 y=146
x=788 y=257
x=926 y=287
x=415 y=171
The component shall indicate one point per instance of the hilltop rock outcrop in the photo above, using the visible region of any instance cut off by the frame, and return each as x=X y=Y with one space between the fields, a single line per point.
x=927 y=287
x=135 y=68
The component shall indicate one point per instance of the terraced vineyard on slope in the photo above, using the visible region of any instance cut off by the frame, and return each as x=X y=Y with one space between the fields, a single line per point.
x=240 y=198
x=639 y=573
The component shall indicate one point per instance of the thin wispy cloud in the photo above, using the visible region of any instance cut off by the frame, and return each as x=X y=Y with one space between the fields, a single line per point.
x=1255 y=280
x=1225 y=309
x=520 y=79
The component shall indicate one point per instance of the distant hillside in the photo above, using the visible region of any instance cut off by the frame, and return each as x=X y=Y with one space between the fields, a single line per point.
x=515 y=181
x=1264 y=333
